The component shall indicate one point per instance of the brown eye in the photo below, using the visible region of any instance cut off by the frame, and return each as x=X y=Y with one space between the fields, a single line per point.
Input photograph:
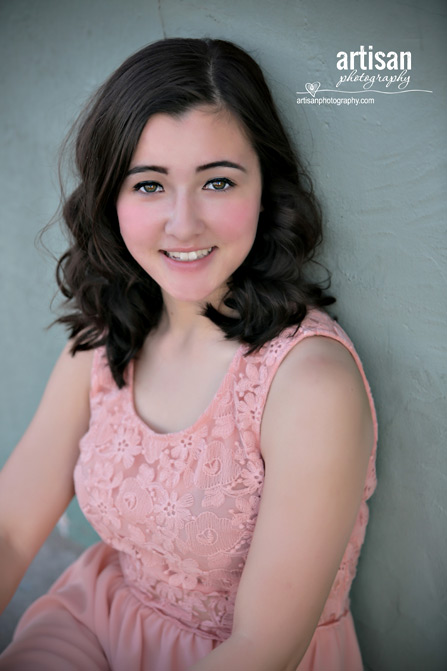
x=147 y=187
x=219 y=184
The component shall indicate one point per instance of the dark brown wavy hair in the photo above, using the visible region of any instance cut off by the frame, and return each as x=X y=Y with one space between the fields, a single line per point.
x=110 y=299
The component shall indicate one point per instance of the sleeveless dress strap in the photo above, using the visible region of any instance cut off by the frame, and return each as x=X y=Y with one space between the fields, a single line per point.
x=101 y=378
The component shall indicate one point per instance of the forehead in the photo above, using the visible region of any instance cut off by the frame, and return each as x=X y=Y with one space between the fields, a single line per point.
x=191 y=134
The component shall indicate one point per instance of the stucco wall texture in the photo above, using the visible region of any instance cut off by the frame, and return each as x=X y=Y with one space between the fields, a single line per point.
x=380 y=172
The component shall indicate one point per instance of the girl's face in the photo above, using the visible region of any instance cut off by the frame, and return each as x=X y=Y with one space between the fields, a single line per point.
x=188 y=209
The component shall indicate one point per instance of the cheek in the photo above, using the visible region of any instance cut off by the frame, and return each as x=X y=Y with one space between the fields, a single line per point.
x=133 y=225
x=240 y=221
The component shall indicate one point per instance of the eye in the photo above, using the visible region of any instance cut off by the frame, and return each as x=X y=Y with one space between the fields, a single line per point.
x=220 y=184
x=148 y=187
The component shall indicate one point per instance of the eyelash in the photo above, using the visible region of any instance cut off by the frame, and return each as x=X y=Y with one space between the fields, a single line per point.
x=140 y=186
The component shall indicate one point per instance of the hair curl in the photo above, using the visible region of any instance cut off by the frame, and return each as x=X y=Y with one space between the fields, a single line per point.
x=111 y=300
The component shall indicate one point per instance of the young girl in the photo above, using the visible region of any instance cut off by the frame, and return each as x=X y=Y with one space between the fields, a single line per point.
x=213 y=420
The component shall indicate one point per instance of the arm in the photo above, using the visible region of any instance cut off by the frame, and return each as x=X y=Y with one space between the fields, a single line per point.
x=36 y=483
x=316 y=451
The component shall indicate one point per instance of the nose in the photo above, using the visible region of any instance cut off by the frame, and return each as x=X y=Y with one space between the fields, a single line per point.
x=184 y=221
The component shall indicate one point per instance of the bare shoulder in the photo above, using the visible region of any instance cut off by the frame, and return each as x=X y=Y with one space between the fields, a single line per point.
x=73 y=367
x=318 y=381
x=67 y=390
x=318 y=354
x=64 y=409
x=67 y=393
x=36 y=483
x=68 y=387
x=78 y=363
x=318 y=364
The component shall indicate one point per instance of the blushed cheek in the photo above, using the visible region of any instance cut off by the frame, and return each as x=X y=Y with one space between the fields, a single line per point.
x=241 y=221
x=133 y=226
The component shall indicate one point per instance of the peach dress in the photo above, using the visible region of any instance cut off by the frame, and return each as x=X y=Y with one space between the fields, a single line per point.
x=176 y=514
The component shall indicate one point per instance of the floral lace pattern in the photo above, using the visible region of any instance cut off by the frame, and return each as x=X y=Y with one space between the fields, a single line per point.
x=180 y=508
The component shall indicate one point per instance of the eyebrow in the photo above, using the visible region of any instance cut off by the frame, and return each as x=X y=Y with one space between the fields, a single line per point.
x=207 y=166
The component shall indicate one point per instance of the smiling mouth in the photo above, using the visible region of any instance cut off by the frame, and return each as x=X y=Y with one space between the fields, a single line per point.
x=189 y=256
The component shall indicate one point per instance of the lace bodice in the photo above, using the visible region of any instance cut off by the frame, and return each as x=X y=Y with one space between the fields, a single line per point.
x=180 y=508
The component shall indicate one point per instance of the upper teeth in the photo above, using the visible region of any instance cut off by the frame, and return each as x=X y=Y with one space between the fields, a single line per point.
x=189 y=256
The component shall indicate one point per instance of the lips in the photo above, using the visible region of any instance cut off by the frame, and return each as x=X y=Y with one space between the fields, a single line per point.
x=188 y=256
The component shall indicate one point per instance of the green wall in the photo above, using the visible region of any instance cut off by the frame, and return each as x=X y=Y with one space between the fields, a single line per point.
x=380 y=172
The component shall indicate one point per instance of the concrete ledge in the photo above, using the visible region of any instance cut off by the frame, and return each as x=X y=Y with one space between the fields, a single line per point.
x=53 y=558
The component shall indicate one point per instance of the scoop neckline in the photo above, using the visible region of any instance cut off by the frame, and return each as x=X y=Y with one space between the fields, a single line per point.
x=189 y=429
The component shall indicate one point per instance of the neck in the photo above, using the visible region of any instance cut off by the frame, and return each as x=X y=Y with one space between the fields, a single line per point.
x=182 y=322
